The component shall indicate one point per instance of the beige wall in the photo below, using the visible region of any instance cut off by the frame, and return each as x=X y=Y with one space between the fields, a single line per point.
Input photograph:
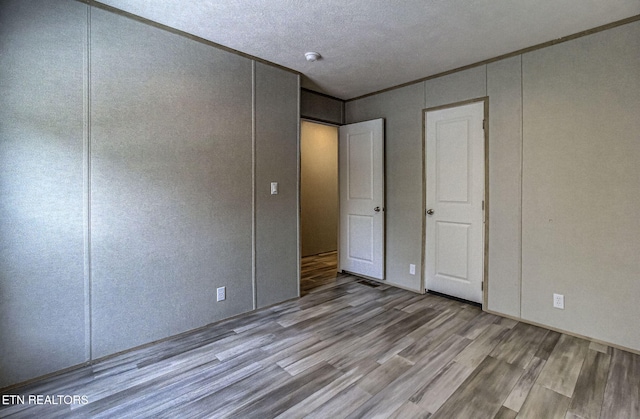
x=564 y=173
x=581 y=185
x=318 y=188
x=505 y=166
x=318 y=107
x=402 y=110
x=135 y=167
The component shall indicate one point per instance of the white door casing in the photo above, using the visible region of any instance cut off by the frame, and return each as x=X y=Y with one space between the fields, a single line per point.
x=455 y=179
x=361 y=174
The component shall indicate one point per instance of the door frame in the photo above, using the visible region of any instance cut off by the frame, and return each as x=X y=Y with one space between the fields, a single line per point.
x=384 y=197
x=299 y=187
x=485 y=100
x=337 y=132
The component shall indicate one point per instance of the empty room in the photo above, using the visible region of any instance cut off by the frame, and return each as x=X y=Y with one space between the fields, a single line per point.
x=326 y=209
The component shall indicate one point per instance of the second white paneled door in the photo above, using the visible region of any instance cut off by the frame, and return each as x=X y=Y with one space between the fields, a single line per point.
x=361 y=174
x=454 y=256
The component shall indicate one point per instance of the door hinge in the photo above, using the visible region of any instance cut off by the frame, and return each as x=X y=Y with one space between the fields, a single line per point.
x=484 y=123
x=482 y=286
x=482 y=205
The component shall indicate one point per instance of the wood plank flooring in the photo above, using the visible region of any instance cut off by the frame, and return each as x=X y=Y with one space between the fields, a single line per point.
x=351 y=350
x=318 y=270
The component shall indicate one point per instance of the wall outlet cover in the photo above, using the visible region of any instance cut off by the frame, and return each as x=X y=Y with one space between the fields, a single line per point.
x=558 y=301
x=221 y=293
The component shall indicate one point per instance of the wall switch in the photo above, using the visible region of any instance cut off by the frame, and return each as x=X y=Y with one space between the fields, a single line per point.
x=274 y=188
x=412 y=269
x=558 y=301
x=221 y=293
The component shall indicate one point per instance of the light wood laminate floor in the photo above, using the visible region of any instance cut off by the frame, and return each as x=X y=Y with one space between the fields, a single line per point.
x=349 y=349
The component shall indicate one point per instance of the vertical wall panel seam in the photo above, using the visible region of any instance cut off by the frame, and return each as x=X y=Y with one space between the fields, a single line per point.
x=486 y=204
x=87 y=193
x=253 y=185
x=521 y=175
x=298 y=190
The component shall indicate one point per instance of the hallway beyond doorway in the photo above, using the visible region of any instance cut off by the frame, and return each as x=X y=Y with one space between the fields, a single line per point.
x=318 y=270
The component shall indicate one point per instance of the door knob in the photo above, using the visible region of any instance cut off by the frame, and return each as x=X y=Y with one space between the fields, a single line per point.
x=377 y=209
x=429 y=211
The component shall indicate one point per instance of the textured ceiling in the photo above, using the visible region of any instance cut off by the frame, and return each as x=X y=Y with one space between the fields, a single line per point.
x=370 y=45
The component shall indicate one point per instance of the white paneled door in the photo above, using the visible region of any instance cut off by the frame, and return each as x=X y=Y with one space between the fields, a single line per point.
x=361 y=173
x=455 y=181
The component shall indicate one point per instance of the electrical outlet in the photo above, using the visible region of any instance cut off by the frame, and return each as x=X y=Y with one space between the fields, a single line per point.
x=412 y=269
x=221 y=293
x=558 y=301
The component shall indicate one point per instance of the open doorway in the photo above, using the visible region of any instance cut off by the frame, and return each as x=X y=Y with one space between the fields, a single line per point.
x=319 y=216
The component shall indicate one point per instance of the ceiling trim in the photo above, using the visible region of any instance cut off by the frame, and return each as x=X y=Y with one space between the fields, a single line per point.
x=507 y=55
x=111 y=9
x=98 y=5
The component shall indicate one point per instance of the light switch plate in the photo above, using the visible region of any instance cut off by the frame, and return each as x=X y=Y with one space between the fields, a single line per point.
x=274 y=188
